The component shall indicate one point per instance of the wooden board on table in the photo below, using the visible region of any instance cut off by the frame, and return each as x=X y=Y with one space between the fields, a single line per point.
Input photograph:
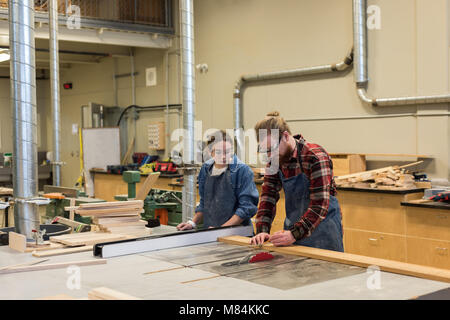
x=138 y=223
x=6 y=191
x=48 y=246
x=112 y=211
x=58 y=252
x=369 y=174
x=104 y=293
x=17 y=241
x=108 y=220
x=147 y=186
x=86 y=238
x=113 y=204
x=133 y=231
x=351 y=259
x=41 y=267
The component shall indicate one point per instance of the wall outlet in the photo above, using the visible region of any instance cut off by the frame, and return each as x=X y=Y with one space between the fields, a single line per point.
x=74 y=128
x=150 y=77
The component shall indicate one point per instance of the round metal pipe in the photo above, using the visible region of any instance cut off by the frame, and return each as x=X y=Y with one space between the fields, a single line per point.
x=279 y=75
x=23 y=103
x=188 y=72
x=361 y=61
x=360 y=42
x=376 y=116
x=55 y=93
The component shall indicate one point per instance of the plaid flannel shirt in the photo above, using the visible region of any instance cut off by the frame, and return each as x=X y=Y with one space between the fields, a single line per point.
x=314 y=161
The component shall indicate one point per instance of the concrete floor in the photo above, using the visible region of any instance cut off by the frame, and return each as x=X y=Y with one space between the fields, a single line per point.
x=126 y=274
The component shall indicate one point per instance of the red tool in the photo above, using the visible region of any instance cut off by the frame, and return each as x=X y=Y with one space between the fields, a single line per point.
x=263 y=256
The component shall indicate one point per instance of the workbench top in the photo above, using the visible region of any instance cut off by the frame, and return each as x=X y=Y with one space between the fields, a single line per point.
x=162 y=175
x=429 y=205
x=198 y=273
x=371 y=190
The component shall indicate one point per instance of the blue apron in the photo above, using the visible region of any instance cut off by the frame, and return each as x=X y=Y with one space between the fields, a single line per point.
x=328 y=234
x=220 y=200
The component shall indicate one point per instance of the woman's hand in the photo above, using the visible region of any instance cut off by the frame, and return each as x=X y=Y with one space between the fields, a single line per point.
x=260 y=238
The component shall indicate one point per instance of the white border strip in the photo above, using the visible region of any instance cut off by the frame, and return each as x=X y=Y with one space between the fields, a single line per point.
x=179 y=240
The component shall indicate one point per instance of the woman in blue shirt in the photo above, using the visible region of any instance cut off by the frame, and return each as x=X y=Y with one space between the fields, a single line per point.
x=228 y=194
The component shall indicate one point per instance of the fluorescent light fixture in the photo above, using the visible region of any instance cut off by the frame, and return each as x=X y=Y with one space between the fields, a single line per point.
x=4 y=55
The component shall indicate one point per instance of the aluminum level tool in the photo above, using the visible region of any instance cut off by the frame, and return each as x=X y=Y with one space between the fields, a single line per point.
x=167 y=241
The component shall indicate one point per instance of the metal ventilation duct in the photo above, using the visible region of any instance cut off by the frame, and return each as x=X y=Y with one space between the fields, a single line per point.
x=23 y=103
x=361 y=73
x=188 y=72
x=54 y=91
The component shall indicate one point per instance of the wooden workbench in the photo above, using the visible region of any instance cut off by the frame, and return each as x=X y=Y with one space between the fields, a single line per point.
x=106 y=185
x=428 y=233
x=376 y=224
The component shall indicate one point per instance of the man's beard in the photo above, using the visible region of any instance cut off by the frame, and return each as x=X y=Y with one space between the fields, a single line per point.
x=284 y=158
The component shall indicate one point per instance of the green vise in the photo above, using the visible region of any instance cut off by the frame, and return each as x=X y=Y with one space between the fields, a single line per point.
x=131 y=177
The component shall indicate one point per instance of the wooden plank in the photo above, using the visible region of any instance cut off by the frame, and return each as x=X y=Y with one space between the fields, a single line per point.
x=113 y=204
x=59 y=252
x=30 y=263
x=6 y=191
x=72 y=212
x=137 y=223
x=91 y=238
x=111 y=208
x=351 y=259
x=98 y=212
x=17 y=241
x=104 y=293
x=54 y=266
x=106 y=221
x=128 y=153
x=50 y=246
x=371 y=172
x=118 y=214
x=147 y=186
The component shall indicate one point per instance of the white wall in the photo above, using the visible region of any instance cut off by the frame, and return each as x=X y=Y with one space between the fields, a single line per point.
x=407 y=56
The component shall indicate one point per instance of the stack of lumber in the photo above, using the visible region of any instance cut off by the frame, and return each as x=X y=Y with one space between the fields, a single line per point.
x=86 y=238
x=389 y=178
x=5 y=191
x=118 y=217
x=77 y=242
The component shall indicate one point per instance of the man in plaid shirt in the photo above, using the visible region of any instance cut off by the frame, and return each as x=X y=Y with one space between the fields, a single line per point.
x=305 y=172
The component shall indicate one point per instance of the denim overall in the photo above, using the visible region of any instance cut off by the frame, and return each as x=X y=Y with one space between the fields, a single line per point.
x=328 y=234
x=220 y=200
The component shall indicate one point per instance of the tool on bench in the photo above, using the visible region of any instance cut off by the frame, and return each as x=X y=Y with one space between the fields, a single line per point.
x=153 y=223
x=39 y=236
x=131 y=177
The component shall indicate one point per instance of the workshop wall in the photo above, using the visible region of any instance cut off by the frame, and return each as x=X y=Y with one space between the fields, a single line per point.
x=407 y=58
x=42 y=105
x=94 y=83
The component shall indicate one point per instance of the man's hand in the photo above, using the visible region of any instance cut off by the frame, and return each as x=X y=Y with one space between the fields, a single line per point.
x=282 y=238
x=260 y=238
x=184 y=226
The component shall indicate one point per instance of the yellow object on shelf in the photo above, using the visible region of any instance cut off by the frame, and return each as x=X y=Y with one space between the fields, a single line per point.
x=147 y=168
